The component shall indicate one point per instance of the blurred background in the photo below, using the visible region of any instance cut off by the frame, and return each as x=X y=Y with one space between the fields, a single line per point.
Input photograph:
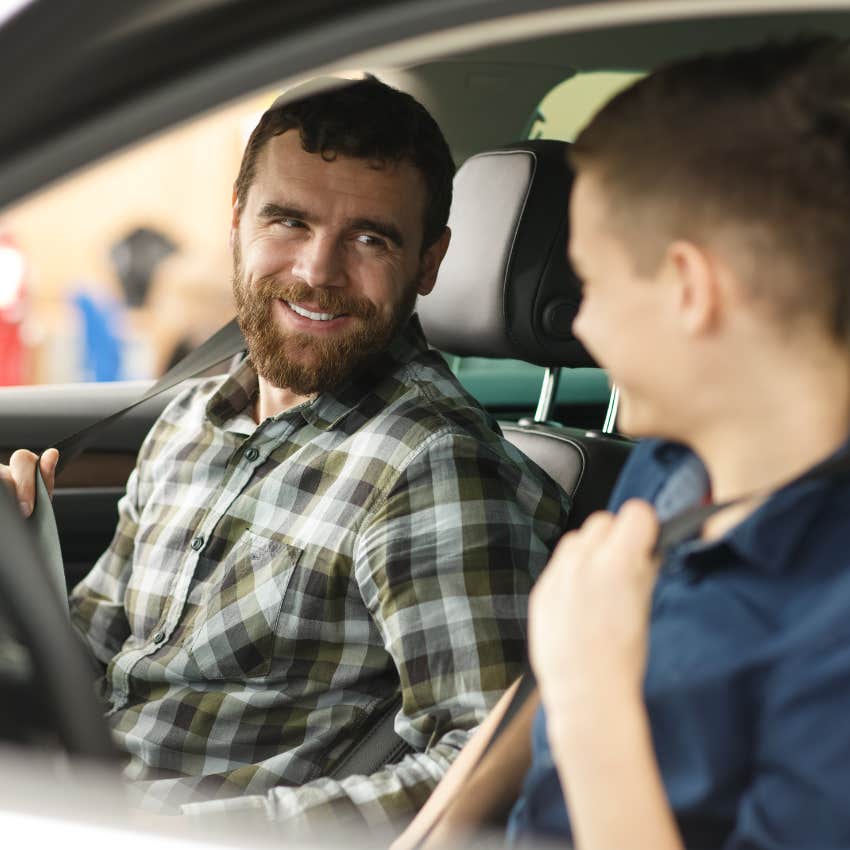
x=113 y=273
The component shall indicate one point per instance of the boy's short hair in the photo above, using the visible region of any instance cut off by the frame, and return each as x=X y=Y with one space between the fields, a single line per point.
x=368 y=120
x=750 y=147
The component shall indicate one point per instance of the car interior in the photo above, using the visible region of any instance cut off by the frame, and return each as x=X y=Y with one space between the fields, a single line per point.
x=510 y=225
x=483 y=84
x=505 y=290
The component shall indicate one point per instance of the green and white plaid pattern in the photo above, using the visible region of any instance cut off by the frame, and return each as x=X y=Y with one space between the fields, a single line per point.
x=269 y=587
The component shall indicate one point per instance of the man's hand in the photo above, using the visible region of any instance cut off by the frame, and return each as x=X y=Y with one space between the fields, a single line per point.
x=589 y=611
x=20 y=475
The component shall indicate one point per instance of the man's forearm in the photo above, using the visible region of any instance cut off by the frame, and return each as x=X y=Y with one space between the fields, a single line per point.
x=382 y=802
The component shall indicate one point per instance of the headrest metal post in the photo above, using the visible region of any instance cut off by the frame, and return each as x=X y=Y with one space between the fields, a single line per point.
x=548 y=394
x=610 y=424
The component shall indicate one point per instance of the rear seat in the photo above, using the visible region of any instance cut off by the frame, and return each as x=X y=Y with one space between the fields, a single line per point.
x=505 y=290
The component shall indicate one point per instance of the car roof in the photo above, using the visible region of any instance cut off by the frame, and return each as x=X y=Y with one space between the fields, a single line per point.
x=113 y=71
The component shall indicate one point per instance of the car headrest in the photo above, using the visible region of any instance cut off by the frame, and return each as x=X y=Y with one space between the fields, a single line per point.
x=505 y=288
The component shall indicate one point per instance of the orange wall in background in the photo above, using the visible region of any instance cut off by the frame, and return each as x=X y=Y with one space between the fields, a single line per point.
x=179 y=183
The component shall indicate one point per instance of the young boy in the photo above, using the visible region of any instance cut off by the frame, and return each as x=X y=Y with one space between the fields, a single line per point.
x=700 y=699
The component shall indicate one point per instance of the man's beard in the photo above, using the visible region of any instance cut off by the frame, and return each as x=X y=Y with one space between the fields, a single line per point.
x=329 y=361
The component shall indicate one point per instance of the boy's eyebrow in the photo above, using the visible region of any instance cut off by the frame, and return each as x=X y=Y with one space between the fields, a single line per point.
x=389 y=231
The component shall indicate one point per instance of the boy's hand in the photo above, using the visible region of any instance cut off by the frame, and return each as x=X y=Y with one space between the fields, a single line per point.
x=589 y=611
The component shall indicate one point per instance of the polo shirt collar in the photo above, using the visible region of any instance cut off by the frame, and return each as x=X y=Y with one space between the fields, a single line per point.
x=770 y=536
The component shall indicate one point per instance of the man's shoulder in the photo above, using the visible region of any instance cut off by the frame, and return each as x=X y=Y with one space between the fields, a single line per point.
x=424 y=400
x=187 y=411
x=429 y=413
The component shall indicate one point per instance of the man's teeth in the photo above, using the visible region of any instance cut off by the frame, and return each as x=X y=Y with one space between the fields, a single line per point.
x=308 y=314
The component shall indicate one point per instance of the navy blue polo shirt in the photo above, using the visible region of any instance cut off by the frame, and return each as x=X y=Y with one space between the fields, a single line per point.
x=748 y=676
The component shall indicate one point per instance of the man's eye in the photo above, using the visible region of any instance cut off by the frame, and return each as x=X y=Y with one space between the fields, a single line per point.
x=290 y=222
x=371 y=241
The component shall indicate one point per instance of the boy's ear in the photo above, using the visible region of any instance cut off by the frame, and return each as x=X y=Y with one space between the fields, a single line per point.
x=696 y=275
x=429 y=265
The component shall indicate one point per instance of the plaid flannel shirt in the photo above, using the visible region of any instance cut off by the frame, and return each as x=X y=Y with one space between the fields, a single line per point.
x=269 y=587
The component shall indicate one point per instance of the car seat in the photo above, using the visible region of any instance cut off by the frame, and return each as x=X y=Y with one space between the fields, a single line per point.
x=506 y=290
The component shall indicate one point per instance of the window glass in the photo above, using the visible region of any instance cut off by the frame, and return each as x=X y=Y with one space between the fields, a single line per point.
x=113 y=272
x=572 y=103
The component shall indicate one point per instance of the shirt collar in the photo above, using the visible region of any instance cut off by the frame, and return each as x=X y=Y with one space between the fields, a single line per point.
x=363 y=390
x=329 y=408
x=684 y=481
x=235 y=396
x=769 y=537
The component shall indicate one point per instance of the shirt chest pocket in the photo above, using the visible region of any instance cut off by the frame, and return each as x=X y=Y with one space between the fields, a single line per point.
x=234 y=629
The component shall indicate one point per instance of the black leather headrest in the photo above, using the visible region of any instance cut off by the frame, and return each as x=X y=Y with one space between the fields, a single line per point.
x=505 y=288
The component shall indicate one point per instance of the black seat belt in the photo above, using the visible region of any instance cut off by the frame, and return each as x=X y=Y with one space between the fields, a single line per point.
x=672 y=532
x=222 y=345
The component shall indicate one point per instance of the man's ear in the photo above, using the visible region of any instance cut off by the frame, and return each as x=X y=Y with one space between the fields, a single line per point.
x=429 y=264
x=698 y=288
x=235 y=213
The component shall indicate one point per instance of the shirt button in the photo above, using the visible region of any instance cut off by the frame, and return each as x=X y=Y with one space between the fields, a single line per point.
x=159 y=637
x=252 y=454
x=197 y=543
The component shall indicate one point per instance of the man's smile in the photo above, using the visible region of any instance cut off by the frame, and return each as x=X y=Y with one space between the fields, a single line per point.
x=309 y=314
x=299 y=317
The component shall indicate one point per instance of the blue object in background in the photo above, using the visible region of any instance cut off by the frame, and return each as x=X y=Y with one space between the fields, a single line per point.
x=102 y=345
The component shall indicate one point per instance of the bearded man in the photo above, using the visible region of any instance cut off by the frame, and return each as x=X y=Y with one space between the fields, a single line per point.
x=332 y=522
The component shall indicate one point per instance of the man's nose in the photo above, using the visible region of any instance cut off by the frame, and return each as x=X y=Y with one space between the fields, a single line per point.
x=319 y=262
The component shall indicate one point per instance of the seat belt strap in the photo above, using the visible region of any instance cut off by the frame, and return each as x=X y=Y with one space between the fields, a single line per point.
x=690 y=521
x=42 y=522
x=221 y=346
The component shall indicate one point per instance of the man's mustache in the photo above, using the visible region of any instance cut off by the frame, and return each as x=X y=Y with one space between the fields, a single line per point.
x=324 y=300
